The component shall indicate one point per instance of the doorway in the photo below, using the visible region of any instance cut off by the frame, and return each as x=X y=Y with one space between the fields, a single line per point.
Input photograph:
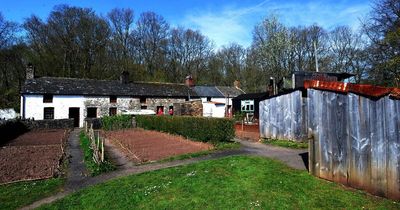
x=74 y=113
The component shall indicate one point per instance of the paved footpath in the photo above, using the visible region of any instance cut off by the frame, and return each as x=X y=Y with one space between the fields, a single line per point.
x=77 y=179
x=294 y=158
x=77 y=172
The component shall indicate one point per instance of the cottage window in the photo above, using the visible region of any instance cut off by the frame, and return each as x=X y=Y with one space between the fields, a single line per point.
x=48 y=113
x=91 y=112
x=113 y=99
x=247 y=106
x=113 y=111
x=47 y=98
x=143 y=107
x=142 y=100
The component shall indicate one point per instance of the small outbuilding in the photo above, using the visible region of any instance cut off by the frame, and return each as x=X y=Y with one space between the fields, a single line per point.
x=249 y=103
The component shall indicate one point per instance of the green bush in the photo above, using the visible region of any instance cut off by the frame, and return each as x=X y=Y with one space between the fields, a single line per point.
x=196 y=128
x=116 y=122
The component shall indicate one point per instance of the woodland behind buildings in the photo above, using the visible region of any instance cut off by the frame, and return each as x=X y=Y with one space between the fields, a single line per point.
x=77 y=42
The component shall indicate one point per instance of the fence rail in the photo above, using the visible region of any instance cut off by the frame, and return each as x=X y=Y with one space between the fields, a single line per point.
x=96 y=144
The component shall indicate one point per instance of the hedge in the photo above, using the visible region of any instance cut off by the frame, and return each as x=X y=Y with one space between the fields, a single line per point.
x=196 y=128
x=116 y=122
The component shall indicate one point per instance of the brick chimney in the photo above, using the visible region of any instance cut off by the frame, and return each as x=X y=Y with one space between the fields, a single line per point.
x=30 y=71
x=236 y=84
x=124 y=77
x=189 y=81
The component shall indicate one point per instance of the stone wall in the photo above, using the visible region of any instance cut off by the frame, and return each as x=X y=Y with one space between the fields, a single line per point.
x=103 y=105
x=189 y=108
x=49 y=124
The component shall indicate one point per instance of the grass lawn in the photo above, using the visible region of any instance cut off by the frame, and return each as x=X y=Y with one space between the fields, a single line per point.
x=285 y=143
x=238 y=182
x=16 y=195
x=218 y=146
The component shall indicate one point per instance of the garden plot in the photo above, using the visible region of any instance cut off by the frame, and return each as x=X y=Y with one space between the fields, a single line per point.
x=143 y=145
x=33 y=155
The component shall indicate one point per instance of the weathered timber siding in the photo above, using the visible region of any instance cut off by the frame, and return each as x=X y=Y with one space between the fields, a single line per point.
x=284 y=117
x=355 y=141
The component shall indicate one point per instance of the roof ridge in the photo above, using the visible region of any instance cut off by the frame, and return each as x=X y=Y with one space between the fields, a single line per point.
x=133 y=82
x=73 y=78
x=162 y=83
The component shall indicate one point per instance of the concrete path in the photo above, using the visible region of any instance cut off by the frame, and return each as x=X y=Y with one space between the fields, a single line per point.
x=294 y=158
x=77 y=179
x=77 y=172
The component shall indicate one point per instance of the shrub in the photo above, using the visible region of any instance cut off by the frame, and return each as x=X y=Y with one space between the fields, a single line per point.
x=196 y=128
x=116 y=122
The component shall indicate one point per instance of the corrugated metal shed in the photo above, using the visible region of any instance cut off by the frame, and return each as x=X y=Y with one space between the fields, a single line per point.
x=365 y=90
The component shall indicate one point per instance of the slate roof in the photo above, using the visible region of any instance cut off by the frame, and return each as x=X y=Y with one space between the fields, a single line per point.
x=208 y=91
x=230 y=92
x=74 y=86
x=252 y=96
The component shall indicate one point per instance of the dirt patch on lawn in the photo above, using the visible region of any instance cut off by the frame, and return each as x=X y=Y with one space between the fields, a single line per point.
x=249 y=132
x=33 y=155
x=143 y=145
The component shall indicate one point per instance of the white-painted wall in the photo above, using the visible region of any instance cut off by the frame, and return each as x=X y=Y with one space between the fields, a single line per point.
x=215 y=110
x=34 y=106
x=61 y=103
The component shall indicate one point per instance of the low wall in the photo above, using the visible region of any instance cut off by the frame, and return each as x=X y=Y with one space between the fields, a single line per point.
x=49 y=124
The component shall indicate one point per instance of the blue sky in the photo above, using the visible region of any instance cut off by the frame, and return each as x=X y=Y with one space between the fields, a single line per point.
x=222 y=21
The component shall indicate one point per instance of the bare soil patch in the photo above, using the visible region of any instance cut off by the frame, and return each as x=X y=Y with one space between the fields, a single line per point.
x=33 y=155
x=39 y=137
x=144 y=146
x=249 y=132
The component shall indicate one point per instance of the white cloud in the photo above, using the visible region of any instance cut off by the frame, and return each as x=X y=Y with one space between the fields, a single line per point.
x=226 y=26
x=235 y=24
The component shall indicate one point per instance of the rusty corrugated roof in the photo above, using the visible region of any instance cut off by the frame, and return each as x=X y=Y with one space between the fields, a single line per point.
x=366 y=90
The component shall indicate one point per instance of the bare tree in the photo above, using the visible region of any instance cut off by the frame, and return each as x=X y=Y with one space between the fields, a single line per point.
x=233 y=59
x=151 y=39
x=72 y=42
x=188 y=53
x=271 y=44
x=121 y=43
x=383 y=29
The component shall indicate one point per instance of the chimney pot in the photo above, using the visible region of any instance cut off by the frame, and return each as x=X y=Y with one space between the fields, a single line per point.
x=236 y=84
x=189 y=81
x=124 y=77
x=30 y=71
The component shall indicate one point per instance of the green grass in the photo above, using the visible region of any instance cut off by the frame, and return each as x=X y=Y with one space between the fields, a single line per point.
x=237 y=182
x=217 y=147
x=16 y=195
x=95 y=169
x=285 y=143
